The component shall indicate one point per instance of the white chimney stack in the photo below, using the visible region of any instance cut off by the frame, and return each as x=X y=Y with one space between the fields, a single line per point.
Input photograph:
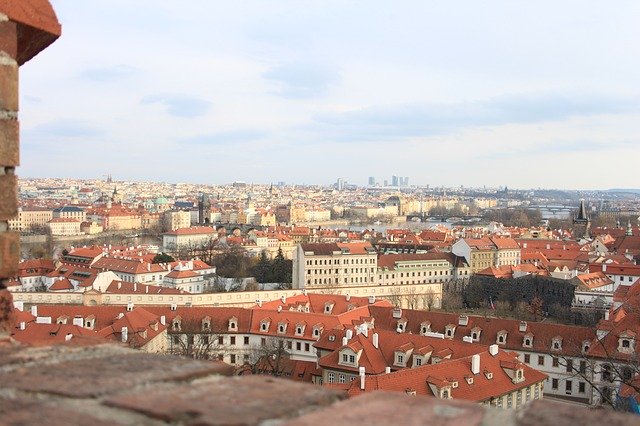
x=23 y=325
x=34 y=310
x=493 y=350
x=387 y=370
x=163 y=320
x=372 y=300
x=523 y=326
x=348 y=297
x=349 y=334
x=125 y=334
x=606 y=315
x=279 y=308
x=345 y=341
x=375 y=340
x=19 y=305
x=78 y=321
x=463 y=320
x=362 y=375
x=475 y=364
x=135 y=286
x=68 y=337
x=259 y=303
x=283 y=299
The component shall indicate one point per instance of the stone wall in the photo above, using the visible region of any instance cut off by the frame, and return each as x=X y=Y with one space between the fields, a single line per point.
x=75 y=384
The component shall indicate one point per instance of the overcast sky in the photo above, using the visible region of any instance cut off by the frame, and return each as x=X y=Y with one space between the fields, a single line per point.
x=523 y=94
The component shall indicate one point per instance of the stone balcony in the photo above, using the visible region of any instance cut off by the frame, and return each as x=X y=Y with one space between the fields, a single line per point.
x=79 y=384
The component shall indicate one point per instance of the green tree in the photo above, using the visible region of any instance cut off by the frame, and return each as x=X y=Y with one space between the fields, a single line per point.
x=281 y=269
x=162 y=258
x=262 y=269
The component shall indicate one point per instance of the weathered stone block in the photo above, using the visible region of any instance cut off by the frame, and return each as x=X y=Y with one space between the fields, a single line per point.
x=107 y=373
x=9 y=254
x=243 y=400
x=9 y=87
x=6 y=313
x=8 y=198
x=9 y=38
x=9 y=143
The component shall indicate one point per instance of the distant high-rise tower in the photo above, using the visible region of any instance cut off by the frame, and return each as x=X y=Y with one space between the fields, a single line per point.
x=340 y=184
x=372 y=181
x=395 y=181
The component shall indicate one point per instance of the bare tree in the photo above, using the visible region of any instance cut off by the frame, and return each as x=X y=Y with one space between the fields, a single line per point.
x=428 y=300
x=270 y=357
x=193 y=338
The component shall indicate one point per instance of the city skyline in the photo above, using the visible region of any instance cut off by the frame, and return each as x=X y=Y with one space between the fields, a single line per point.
x=160 y=92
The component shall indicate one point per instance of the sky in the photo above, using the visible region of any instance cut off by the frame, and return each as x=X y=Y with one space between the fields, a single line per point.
x=541 y=94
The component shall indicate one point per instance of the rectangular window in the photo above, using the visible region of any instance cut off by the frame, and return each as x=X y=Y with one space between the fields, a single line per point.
x=298 y=346
x=583 y=367
x=581 y=387
x=232 y=340
x=569 y=365
x=527 y=358
x=246 y=340
x=568 y=385
x=331 y=377
x=554 y=383
x=555 y=361
x=232 y=358
x=263 y=342
x=540 y=359
x=307 y=347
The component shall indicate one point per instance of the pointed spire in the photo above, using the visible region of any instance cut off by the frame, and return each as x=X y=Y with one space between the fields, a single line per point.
x=582 y=214
x=629 y=229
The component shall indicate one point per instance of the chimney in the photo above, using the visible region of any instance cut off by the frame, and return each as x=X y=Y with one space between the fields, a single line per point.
x=119 y=284
x=135 y=287
x=78 y=321
x=463 y=320
x=348 y=297
x=68 y=337
x=146 y=289
x=493 y=350
x=283 y=299
x=606 y=315
x=475 y=364
x=34 y=310
x=362 y=374
x=304 y=291
x=149 y=267
x=387 y=370
x=372 y=300
x=349 y=334
x=548 y=246
x=259 y=303
x=523 y=326
x=129 y=306
x=397 y=313
x=604 y=267
x=125 y=334
x=43 y=320
x=375 y=340
x=23 y=325
x=163 y=320
x=18 y=305
x=345 y=341
x=279 y=308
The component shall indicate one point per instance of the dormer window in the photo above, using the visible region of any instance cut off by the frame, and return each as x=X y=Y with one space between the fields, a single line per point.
x=300 y=329
x=177 y=324
x=488 y=375
x=502 y=337
x=475 y=334
x=445 y=393
x=233 y=324
x=519 y=375
x=454 y=384
x=206 y=324
x=264 y=325
x=469 y=380
x=282 y=328
x=328 y=307
x=527 y=342
x=556 y=344
x=425 y=327
x=332 y=338
x=399 y=359
x=449 y=330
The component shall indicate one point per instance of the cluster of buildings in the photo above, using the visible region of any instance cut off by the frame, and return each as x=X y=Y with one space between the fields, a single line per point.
x=362 y=344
